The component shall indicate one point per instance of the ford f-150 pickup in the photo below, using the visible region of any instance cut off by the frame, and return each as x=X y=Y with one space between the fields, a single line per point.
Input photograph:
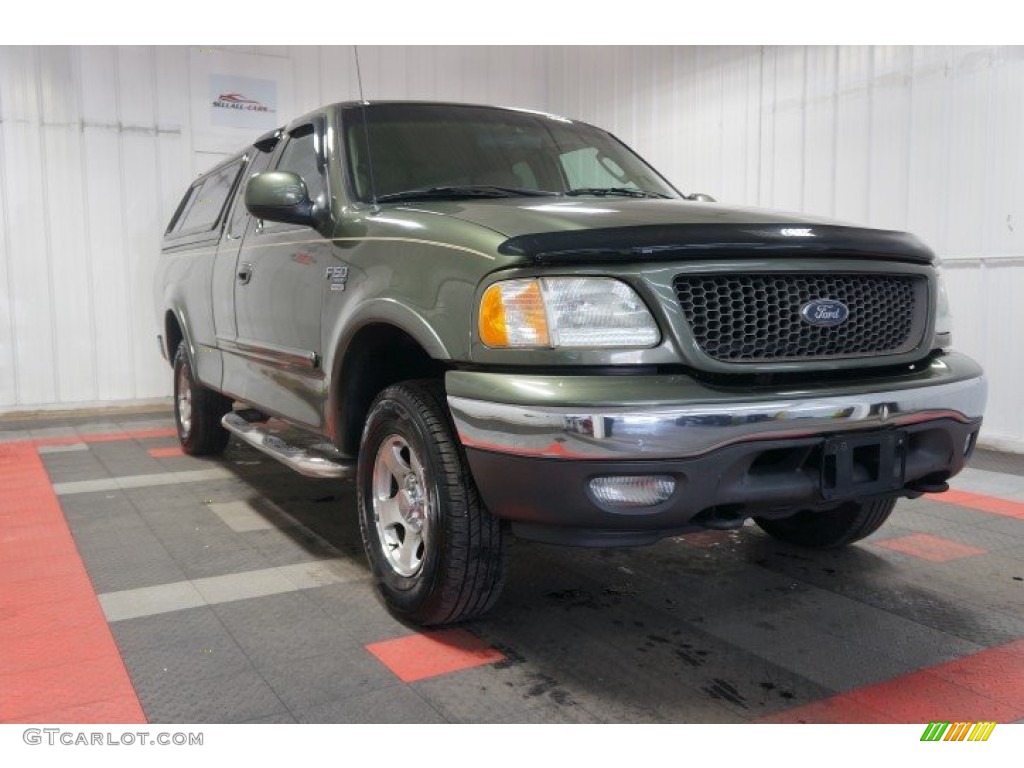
x=500 y=322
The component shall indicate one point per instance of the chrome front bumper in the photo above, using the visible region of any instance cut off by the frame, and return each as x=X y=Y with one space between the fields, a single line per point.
x=687 y=430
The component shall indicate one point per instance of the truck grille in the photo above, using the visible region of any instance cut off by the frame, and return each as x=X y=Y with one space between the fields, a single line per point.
x=756 y=317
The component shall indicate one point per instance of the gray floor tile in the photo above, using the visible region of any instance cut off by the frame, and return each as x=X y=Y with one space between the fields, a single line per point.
x=252 y=514
x=998 y=461
x=43 y=450
x=668 y=633
x=150 y=601
x=305 y=683
x=14 y=435
x=277 y=717
x=218 y=560
x=42 y=432
x=292 y=546
x=279 y=629
x=116 y=569
x=398 y=704
x=95 y=426
x=145 y=423
x=112 y=531
x=96 y=506
x=235 y=698
x=182 y=646
x=355 y=607
x=502 y=694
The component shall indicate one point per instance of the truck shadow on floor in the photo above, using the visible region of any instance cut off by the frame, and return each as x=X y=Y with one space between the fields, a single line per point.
x=711 y=628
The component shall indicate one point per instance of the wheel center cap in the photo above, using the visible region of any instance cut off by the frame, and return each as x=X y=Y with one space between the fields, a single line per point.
x=415 y=512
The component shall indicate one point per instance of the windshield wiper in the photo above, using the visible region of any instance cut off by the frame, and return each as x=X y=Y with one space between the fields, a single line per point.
x=619 y=191
x=449 y=193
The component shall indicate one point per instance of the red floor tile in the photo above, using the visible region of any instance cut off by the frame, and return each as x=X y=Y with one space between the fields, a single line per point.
x=58 y=654
x=48 y=648
x=830 y=711
x=998 y=675
x=922 y=697
x=160 y=453
x=980 y=502
x=418 y=657
x=33 y=540
x=35 y=564
x=56 y=588
x=53 y=532
x=988 y=685
x=37 y=691
x=110 y=711
x=1016 y=647
x=924 y=546
x=23 y=620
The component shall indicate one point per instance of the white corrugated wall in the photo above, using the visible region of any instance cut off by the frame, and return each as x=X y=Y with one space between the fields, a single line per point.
x=925 y=139
x=96 y=149
x=96 y=145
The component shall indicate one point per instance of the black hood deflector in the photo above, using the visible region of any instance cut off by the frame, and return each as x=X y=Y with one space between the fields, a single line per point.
x=664 y=242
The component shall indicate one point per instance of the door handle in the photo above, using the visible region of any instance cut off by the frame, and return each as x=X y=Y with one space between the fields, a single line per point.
x=245 y=273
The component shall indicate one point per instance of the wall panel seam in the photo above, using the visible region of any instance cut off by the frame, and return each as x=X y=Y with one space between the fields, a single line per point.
x=869 y=90
x=5 y=208
x=87 y=233
x=157 y=164
x=125 y=255
x=47 y=237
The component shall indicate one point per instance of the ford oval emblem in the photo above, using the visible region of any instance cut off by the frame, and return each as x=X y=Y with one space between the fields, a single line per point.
x=824 y=312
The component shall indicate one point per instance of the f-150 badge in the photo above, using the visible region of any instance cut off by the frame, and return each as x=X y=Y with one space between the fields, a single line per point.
x=338 y=277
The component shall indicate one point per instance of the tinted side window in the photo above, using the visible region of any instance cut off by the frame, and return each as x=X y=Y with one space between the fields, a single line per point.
x=209 y=199
x=300 y=157
x=178 y=217
x=240 y=215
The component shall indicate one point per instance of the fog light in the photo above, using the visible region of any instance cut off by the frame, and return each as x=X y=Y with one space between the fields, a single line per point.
x=632 y=490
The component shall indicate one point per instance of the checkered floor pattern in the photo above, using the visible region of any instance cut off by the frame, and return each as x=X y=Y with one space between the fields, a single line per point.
x=139 y=584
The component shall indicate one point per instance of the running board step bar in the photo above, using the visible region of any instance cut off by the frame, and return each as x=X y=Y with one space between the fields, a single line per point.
x=315 y=461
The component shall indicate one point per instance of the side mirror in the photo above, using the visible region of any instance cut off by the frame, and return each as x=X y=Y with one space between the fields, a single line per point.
x=700 y=197
x=279 y=196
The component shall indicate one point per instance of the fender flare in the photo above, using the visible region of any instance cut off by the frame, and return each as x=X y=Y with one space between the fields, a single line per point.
x=379 y=311
x=186 y=335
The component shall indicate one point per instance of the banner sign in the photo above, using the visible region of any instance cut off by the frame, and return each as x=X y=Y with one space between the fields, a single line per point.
x=243 y=102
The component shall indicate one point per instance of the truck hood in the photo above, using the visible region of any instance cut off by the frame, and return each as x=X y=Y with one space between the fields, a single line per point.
x=558 y=230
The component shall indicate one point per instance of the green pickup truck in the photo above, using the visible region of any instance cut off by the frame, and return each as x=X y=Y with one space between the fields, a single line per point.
x=499 y=322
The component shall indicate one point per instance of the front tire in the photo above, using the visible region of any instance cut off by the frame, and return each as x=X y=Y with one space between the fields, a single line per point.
x=851 y=522
x=197 y=411
x=437 y=555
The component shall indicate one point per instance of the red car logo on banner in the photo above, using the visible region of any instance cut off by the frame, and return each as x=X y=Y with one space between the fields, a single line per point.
x=238 y=101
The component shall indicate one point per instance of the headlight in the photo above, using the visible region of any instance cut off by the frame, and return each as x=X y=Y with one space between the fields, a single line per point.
x=943 y=337
x=565 y=312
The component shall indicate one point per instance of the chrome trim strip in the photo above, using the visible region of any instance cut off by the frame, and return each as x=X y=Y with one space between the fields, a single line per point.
x=371 y=239
x=302 y=461
x=270 y=353
x=683 y=431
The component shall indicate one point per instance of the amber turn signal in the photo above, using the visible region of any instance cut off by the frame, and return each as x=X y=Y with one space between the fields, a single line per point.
x=512 y=315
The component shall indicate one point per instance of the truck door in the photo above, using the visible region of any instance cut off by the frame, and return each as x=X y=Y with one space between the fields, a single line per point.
x=224 y=269
x=278 y=282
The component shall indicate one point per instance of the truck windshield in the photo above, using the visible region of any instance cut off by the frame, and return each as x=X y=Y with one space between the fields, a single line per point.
x=431 y=151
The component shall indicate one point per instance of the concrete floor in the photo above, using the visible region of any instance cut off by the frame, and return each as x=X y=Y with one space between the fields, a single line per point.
x=235 y=590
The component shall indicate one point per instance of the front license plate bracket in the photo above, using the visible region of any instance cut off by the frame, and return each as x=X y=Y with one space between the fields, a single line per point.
x=854 y=465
